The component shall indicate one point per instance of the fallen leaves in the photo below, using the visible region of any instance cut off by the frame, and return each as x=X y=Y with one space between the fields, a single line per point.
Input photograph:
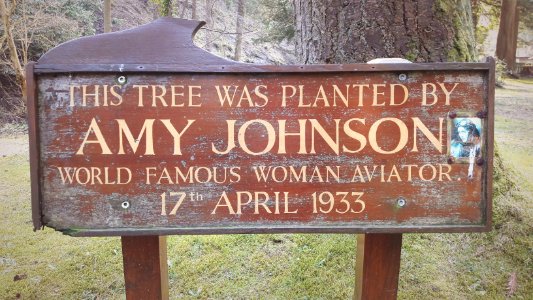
x=512 y=285
x=20 y=277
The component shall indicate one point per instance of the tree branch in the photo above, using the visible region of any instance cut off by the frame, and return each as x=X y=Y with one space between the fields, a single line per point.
x=226 y=32
x=12 y=7
x=5 y=14
x=495 y=4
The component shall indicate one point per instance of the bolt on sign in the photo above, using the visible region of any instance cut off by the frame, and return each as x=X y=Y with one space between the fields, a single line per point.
x=125 y=143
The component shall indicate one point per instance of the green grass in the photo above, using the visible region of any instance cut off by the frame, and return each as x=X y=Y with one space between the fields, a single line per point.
x=522 y=80
x=262 y=266
x=290 y=266
x=52 y=265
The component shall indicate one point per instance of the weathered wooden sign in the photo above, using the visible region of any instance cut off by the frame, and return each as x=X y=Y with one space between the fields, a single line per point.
x=129 y=148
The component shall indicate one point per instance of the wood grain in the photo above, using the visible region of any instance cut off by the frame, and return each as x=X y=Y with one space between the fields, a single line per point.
x=377 y=266
x=162 y=53
x=440 y=204
x=145 y=267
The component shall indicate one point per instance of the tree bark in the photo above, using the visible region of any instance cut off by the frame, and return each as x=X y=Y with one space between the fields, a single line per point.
x=5 y=13
x=193 y=10
x=508 y=33
x=107 y=15
x=240 y=25
x=209 y=22
x=346 y=31
x=182 y=7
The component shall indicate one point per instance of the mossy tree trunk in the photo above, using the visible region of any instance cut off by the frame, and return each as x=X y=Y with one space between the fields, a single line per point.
x=346 y=31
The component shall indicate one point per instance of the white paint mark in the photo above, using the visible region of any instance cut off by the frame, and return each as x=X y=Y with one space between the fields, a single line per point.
x=471 y=159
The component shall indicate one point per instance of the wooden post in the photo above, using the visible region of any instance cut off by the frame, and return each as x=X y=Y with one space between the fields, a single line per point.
x=145 y=267
x=377 y=266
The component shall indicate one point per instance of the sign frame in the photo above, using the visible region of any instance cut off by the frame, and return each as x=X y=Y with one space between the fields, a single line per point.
x=122 y=54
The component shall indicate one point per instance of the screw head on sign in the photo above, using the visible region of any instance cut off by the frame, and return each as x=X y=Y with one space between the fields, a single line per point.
x=480 y=161
x=401 y=202
x=122 y=80
x=125 y=204
x=481 y=114
x=451 y=160
x=402 y=77
x=452 y=115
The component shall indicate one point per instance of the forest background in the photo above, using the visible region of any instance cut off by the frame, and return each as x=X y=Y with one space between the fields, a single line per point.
x=47 y=265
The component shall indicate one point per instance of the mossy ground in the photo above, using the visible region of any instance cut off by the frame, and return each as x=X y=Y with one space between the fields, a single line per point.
x=49 y=265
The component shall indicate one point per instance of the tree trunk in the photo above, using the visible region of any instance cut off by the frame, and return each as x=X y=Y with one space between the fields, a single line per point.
x=240 y=25
x=107 y=15
x=193 y=10
x=347 y=31
x=182 y=7
x=508 y=33
x=209 y=22
x=5 y=13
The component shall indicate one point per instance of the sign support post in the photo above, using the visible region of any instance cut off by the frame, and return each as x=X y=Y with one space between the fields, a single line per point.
x=378 y=255
x=145 y=267
x=377 y=266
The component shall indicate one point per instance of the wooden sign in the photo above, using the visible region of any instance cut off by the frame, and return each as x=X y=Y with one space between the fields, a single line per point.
x=126 y=147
